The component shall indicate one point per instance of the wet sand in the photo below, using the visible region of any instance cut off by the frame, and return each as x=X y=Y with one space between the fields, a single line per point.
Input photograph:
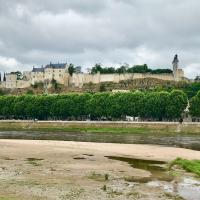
x=76 y=170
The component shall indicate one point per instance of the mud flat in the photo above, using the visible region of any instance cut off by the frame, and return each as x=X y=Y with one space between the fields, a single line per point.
x=74 y=170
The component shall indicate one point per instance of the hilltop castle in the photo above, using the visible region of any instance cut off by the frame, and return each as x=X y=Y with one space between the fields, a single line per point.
x=59 y=73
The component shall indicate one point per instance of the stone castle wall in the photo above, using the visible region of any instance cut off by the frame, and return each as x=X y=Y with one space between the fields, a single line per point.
x=61 y=75
x=78 y=80
x=15 y=84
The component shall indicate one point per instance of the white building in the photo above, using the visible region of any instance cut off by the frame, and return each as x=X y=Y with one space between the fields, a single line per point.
x=59 y=73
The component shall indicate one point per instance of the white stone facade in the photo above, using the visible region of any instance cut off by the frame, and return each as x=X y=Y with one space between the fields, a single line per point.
x=59 y=72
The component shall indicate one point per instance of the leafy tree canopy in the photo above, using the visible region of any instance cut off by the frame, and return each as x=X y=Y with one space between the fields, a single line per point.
x=126 y=69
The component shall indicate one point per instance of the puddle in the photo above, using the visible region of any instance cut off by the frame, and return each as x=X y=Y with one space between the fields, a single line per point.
x=79 y=158
x=6 y=158
x=34 y=159
x=157 y=169
x=187 y=188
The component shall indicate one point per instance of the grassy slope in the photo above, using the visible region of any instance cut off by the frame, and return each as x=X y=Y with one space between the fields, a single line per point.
x=78 y=129
x=112 y=130
x=118 y=128
x=189 y=165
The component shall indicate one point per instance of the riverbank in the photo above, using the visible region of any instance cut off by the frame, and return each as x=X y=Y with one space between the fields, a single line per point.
x=73 y=170
x=100 y=126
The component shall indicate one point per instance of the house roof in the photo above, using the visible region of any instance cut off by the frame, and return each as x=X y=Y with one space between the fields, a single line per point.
x=40 y=69
x=56 y=66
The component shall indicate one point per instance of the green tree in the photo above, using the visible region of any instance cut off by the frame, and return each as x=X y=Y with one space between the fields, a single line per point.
x=97 y=68
x=71 y=69
x=177 y=103
x=150 y=109
x=195 y=105
x=99 y=105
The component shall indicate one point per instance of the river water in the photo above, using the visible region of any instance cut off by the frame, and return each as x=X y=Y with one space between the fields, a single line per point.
x=190 y=141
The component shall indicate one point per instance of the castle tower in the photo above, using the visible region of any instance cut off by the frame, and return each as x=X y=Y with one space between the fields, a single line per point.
x=178 y=73
x=175 y=63
x=175 y=66
x=4 y=77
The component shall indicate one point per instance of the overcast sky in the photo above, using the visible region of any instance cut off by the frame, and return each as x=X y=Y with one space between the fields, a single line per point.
x=111 y=32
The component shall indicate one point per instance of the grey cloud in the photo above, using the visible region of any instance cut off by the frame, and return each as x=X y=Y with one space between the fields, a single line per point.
x=107 y=31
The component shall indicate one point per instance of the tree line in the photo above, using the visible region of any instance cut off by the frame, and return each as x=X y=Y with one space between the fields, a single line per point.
x=126 y=69
x=189 y=88
x=120 y=70
x=110 y=106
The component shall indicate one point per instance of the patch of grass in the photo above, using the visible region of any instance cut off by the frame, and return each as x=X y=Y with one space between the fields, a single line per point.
x=104 y=188
x=7 y=198
x=175 y=173
x=188 y=165
x=176 y=197
x=98 y=177
x=83 y=130
x=135 y=195
x=91 y=128
x=106 y=177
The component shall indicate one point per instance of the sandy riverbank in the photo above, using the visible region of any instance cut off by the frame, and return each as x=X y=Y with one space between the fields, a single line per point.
x=67 y=170
x=26 y=147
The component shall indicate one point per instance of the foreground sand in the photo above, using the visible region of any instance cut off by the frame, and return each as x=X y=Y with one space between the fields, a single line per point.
x=66 y=170
x=27 y=147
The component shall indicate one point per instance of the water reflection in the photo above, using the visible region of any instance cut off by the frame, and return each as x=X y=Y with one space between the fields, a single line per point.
x=187 y=188
x=191 y=141
x=157 y=169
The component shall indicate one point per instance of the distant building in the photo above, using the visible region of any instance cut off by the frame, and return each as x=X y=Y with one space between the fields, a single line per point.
x=59 y=73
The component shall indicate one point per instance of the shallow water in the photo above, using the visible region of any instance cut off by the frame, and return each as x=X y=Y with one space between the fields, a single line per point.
x=191 y=141
x=158 y=169
x=186 y=187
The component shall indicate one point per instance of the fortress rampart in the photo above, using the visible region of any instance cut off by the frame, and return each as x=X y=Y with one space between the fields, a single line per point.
x=60 y=74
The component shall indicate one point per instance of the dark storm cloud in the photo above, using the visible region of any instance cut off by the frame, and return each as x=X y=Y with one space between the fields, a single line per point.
x=108 y=31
